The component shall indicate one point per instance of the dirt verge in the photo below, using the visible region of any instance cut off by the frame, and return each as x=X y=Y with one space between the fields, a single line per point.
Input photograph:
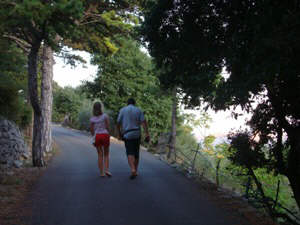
x=15 y=187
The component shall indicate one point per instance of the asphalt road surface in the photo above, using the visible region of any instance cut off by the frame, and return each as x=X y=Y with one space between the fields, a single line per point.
x=71 y=191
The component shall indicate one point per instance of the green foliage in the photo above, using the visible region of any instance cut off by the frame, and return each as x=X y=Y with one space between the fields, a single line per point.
x=73 y=103
x=186 y=123
x=83 y=25
x=13 y=86
x=84 y=119
x=85 y=113
x=13 y=61
x=65 y=102
x=131 y=73
x=38 y=19
x=245 y=152
x=208 y=142
x=185 y=140
x=255 y=42
x=13 y=103
x=196 y=39
x=179 y=41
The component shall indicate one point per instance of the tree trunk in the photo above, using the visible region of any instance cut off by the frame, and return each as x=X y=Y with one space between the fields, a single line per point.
x=46 y=97
x=37 y=150
x=261 y=190
x=293 y=133
x=294 y=166
x=172 y=141
x=37 y=154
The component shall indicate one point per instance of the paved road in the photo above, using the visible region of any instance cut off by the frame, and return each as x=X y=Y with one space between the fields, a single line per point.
x=71 y=191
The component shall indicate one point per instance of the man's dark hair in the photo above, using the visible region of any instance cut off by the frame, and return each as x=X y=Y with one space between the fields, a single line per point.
x=131 y=101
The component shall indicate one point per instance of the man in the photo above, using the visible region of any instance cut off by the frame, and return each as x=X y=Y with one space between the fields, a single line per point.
x=130 y=119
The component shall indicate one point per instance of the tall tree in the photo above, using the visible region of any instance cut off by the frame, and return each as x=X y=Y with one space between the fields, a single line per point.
x=47 y=96
x=172 y=141
x=256 y=42
x=86 y=25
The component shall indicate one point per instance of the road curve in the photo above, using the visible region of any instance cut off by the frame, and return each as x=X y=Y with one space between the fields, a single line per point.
x=71 y=192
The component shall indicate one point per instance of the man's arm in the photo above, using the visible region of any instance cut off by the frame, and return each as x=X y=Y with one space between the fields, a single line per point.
x=119 y=131
x=119 y=121
x=145 y=127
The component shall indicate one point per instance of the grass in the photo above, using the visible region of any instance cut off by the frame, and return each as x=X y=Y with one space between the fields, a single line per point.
x=205 y=167
x=11 y=180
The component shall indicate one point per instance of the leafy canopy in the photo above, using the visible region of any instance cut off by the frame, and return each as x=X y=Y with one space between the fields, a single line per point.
x=256 y=42
x=82 y=24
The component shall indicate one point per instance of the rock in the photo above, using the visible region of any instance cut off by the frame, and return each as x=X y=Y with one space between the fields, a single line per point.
x=3 y=167
x=174 y=165
x=18 y=163
x=66 y=121
x=10 y=173
x=162 y=143
x=12 y=144
x=25 y=155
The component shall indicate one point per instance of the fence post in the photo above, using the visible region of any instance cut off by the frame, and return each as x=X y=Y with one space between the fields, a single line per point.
x=195 y=156
x=217 y=172
x=247 y=187
x=277 y=194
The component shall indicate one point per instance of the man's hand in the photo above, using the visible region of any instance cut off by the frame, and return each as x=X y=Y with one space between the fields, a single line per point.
x=120 y=137
x=147 y=138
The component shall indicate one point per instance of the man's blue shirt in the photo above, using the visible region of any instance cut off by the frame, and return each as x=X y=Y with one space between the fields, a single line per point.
x=131 y=117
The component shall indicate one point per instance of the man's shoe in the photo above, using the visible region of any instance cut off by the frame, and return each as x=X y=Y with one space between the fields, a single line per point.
x=133 y=176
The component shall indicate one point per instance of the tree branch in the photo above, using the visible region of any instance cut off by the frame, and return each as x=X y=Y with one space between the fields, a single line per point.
x=21 y=43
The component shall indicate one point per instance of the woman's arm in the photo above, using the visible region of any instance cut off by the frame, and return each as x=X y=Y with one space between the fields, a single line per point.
x=107 y=124
x=92 y=129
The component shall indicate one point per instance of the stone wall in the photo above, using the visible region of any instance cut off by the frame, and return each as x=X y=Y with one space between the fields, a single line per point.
x=162 y=143
x=13 y=149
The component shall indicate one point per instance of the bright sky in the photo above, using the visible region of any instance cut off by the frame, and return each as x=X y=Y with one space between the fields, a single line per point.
x=222 y=123
x=66 y=76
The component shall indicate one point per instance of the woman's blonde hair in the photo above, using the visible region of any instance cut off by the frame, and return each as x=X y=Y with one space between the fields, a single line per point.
x=97 y=109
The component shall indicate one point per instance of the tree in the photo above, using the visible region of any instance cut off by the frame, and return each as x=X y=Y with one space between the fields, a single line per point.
x=13 y=91
x=86 y=25
x=256 y=42
x=66 y=102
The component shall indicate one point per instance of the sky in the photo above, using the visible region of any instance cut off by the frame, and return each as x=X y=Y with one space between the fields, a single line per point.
x=222 y=121
x=64 y=75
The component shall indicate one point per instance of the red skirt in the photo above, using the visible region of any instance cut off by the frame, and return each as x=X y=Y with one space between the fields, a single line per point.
x=102 y=140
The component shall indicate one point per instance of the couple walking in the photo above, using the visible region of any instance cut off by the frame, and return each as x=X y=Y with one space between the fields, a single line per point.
x=129 y=123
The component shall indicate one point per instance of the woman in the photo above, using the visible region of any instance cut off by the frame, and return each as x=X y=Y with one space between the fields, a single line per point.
x=100 y=129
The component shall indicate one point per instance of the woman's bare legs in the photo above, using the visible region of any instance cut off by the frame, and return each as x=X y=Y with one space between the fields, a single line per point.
x=106 y=160
x=100 y=160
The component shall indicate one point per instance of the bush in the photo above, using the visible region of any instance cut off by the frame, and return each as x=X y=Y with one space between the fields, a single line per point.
x=84 y=119
x=13 y=103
